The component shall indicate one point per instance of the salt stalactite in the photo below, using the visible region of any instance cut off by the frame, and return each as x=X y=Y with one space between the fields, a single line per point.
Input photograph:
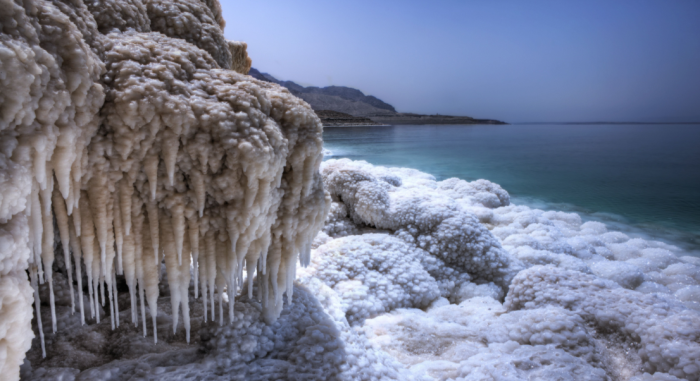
x=150 y=280
x=77 y=255
x=138 y=267
x=64 y=227
x=193 y=230
x=146 y=147
x=47 y=254
x=118 y=234
x=172 y=267
x=210 y=245
x=87 y=245
x=152 y=211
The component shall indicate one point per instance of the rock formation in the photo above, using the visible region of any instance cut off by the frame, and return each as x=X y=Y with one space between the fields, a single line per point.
x=127 y=132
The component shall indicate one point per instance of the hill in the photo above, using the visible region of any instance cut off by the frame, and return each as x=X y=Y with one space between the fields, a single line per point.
x=370 y=109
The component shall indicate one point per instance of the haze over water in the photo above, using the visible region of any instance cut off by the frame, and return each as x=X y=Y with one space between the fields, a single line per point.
x=641 y=179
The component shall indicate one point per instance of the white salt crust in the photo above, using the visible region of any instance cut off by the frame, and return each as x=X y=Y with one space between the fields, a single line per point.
x=144 y=148
x=138 y=174
x=375 y=305
x=586 y=303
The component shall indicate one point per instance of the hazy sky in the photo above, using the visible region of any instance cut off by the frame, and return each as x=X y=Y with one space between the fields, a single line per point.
x=519 y=61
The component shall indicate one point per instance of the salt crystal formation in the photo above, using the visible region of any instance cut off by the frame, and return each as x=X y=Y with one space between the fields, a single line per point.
x=586 y=303
x=374 y=303
x=124 y=121
x=147 y=184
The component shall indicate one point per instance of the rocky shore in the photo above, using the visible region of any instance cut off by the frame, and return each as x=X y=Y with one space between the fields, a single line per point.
x=408 y=118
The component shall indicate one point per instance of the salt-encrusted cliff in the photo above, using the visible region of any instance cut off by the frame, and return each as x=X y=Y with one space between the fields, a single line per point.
x=133 y=124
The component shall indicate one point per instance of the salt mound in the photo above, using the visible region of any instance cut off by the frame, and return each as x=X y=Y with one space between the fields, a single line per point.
x=433 y=221
x=586 y=303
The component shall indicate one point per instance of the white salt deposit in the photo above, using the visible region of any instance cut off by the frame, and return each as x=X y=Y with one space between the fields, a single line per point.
x=376 y=304
x=104 y=122
x=143 y=178
x=586 y=303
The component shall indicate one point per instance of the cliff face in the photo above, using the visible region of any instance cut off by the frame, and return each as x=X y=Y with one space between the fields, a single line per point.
x=125 y=121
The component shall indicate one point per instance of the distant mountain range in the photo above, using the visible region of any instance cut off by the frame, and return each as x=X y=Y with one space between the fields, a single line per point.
x=365 y=109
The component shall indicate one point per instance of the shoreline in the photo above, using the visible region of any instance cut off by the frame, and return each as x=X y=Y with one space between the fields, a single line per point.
x=614 y=222
x=331 y=118
x=408 y=124
x=355 y=125
x=605 y=123
x=664 y=221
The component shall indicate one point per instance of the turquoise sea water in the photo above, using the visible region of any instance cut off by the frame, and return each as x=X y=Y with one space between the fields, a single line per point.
x=640 y=179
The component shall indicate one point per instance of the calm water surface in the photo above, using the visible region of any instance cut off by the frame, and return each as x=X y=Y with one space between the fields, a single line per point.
x=642 y=179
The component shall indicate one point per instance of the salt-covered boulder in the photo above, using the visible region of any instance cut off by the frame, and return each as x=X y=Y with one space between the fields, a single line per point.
x=374 y=274
x=433 y=221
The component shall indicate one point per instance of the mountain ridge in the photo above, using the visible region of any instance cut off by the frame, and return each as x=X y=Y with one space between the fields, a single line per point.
x=365 y=108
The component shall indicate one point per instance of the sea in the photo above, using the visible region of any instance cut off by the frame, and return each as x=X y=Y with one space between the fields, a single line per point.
x=641 y=179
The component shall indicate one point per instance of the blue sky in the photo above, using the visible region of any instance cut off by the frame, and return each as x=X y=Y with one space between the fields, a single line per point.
x=519 y=61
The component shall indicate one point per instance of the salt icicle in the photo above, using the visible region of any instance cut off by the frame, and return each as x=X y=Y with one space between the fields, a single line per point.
x=47 y=254
x=37 y=306
x=125 y=192
x=221 y=274
x=199 y=189
x=137 y=218
x=115 y=297
x=139 y=265
x=184 y=287
x=75 y=247
x=202 y=267
x=130 y=271
x=150 y=276
x=220 y=291
x=76 y=217
x=59 y=208
x=40 y=143
x=118 y=233
x=150 y=166
x=250 y=267
x=178 y=226
x=172 y=267
x=99 y=194
x=97 y=281
x=63 y=157
x=211 y=268
x=170 y=147
x=152 y=210
x=193 y=229
x=76 y=195
x=87 y=244
x=110 y=257
x=37 y=225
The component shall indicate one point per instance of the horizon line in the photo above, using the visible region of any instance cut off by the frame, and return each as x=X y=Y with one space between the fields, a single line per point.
x=697 y=122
